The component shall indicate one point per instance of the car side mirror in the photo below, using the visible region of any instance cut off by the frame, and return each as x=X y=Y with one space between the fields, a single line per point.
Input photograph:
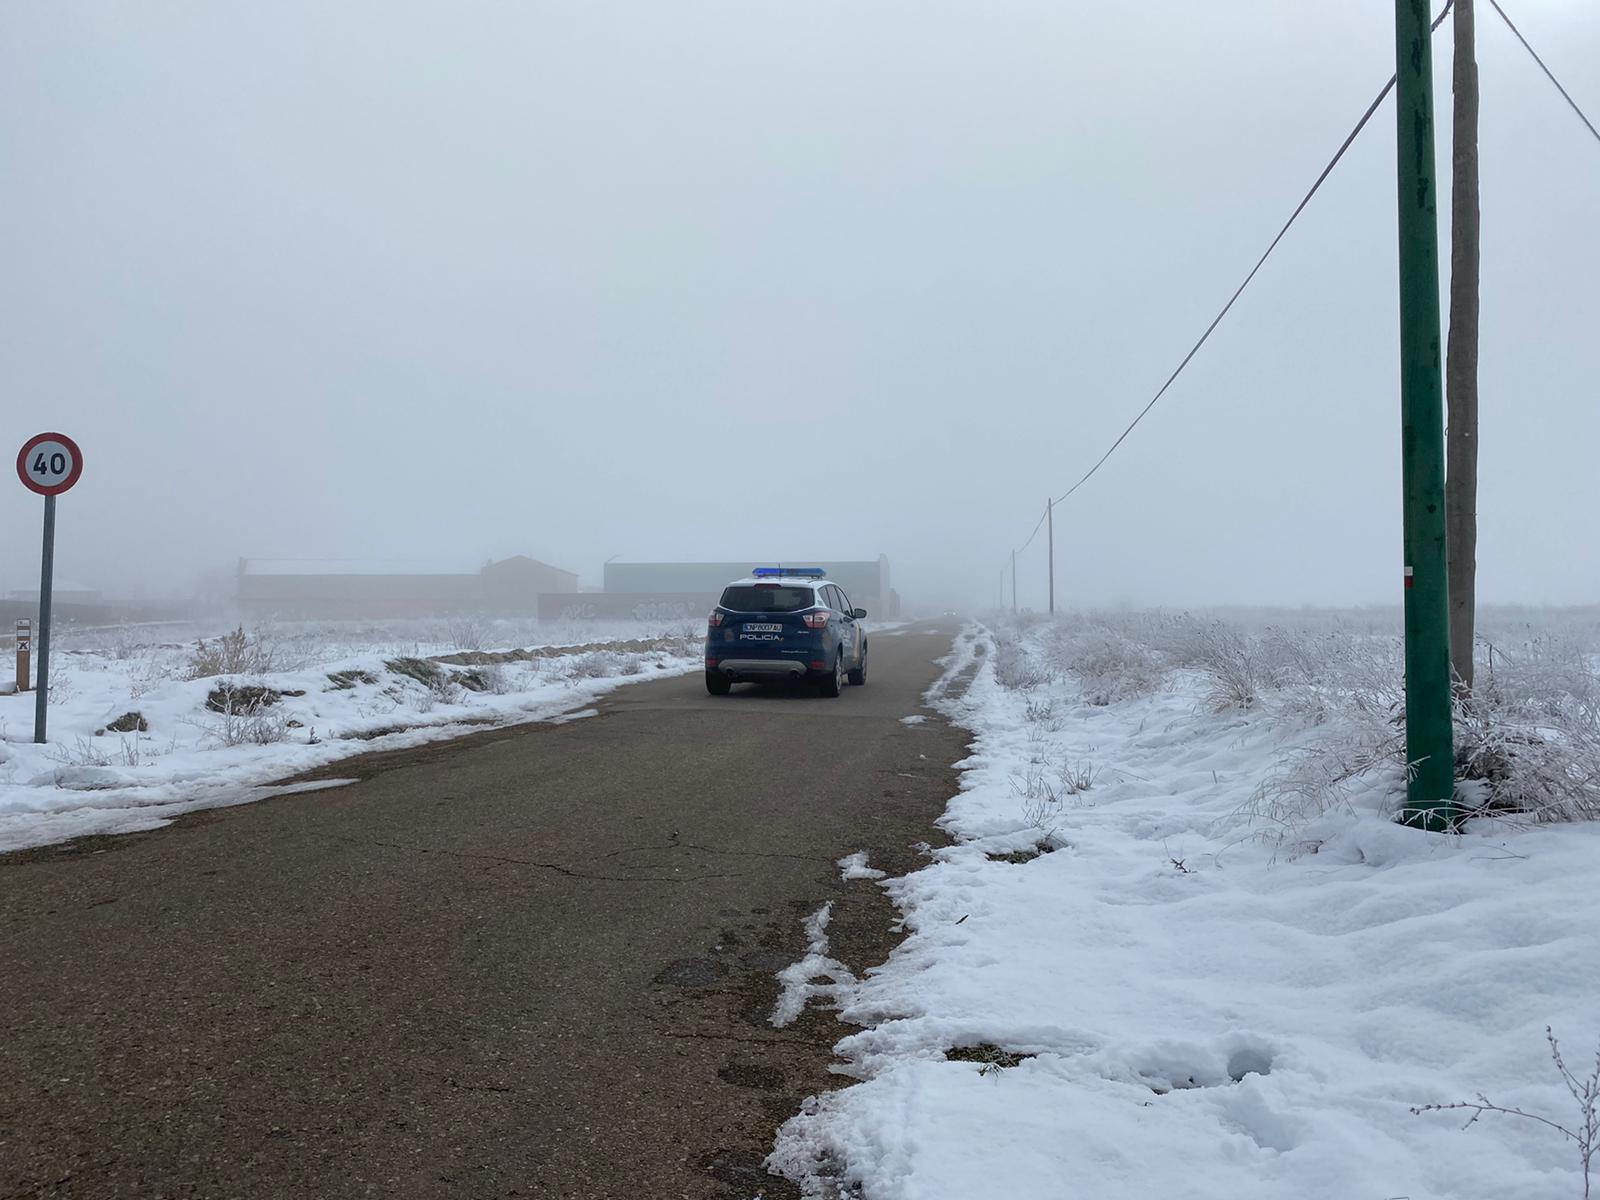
x=858 y=613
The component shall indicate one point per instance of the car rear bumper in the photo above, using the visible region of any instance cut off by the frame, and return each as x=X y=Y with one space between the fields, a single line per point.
x=760 y=668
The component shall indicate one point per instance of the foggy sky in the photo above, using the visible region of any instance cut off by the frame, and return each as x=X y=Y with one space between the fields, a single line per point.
x=753 y=280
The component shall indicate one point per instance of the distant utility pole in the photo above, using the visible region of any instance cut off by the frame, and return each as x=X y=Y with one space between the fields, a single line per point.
x=1013 y=581
x=1430 y=749
x=1461 y=357
x=1050 y=520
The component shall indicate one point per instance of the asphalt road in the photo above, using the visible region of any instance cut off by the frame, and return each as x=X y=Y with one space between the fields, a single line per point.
x=529 y=962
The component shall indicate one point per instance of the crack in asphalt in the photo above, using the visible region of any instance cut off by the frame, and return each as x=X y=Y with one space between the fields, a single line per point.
x=569 y=872
x=825 y=1043
x=674 y=844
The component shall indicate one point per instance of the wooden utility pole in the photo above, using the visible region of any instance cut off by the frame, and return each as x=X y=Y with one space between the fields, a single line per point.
x=1050 y=516
x=1461 y=358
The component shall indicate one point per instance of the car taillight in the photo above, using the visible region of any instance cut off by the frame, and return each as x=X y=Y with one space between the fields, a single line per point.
x=816 y=620
x=714 y=620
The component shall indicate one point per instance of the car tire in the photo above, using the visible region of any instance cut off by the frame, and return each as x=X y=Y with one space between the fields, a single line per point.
x=858 y=677
x=717 y=683
x=833 y=682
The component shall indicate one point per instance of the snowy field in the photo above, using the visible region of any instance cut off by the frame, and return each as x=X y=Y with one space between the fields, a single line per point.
x=147 y=722
x=1179 y=947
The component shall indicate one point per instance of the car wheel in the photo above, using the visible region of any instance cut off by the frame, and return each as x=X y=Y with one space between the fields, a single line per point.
x=833 y=683
x=858 y=677
x=717 y=683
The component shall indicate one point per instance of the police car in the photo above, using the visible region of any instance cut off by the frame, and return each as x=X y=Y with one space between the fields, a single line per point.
x=785 y=623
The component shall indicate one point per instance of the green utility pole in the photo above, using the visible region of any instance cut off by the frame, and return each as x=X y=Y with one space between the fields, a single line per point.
x=1429 y=737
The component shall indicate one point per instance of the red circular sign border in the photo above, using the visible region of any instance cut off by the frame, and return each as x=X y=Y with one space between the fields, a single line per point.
x=65 y=484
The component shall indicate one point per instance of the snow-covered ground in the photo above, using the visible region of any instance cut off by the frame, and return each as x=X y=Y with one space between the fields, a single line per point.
x=138 y=734
x=1178 y=950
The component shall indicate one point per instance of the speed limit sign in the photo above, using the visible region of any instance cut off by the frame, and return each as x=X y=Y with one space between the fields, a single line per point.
x=49 y=463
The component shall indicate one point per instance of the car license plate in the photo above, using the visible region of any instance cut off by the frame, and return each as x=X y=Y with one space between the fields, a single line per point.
x=763 y=628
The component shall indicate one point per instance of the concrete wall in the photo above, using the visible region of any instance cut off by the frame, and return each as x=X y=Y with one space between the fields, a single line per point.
x=342 y=596
x=511 y=587
x=625 y=606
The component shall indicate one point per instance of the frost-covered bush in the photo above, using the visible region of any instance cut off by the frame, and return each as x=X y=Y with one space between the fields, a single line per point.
x=1529 y=735
x=62 y=689
x=1286 y=657
x=1109 y=664
x=236 y=653
x=441 y=686
x=147 y=672
x=604 y=664
x=1357 y=677
x=1015 y=667
x=263 y=727
x=1544 y=672
x=466 y=633
x=1541 y=766
x=595 y=665
x=124 y=641
x=1527 y=738
x=1229 y=659
x=497 y=680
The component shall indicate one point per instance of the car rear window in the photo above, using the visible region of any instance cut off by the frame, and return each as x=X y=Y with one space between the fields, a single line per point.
x=748 y=598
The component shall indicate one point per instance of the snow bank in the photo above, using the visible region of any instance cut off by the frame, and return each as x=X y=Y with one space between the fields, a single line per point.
x=1117 y=988
x=134 y=743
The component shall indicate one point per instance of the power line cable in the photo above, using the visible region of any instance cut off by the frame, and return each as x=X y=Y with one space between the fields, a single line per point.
x=1339 y=154
x=1549 y=74
x=1366 y=117
x=1032 y=535
x=1299 y=208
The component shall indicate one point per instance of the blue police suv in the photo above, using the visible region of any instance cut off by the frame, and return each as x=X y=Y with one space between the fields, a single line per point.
x=785 y=624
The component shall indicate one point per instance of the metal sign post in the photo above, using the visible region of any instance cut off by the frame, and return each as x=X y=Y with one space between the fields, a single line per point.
x=48 y=464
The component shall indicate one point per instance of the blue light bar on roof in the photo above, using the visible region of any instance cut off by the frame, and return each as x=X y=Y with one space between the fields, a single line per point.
x=771 y=572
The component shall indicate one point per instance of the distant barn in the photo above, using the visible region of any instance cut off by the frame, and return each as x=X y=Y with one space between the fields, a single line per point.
x=301 y=589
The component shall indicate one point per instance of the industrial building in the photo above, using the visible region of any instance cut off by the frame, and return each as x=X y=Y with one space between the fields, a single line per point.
x=687 y=590
x=297 y=589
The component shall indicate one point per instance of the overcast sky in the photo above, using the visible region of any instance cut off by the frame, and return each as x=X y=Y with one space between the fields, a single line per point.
x=748 y=280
